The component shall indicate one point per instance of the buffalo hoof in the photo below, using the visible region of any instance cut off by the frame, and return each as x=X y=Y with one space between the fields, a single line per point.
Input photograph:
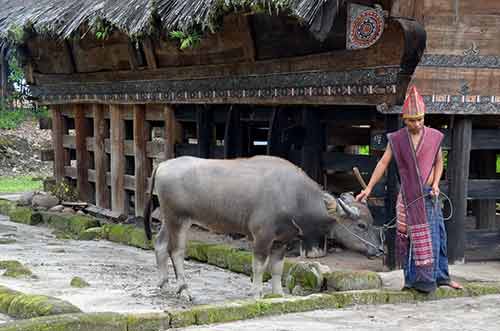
x=162 y=284
x=184 y=293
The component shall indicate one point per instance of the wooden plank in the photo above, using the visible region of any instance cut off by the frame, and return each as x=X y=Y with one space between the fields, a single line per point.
x=275 y=142
x=149 y=52
x=47 y=155
x=141 y=134
x=101 y=131
x=82 y=165
x=392 y=123
x=57 y=143
x=204 y=131
x=70 y=172
x=232 y=134
x=482 y=245
x=484 y=164
x=118 y=196
x=69 y=141
x=459 y=172
x=245 y=29
x=169 y=140
x=132 y=56
x=45 y=123
x=313 y=144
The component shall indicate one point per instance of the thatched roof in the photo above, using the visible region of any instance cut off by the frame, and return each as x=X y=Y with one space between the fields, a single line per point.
x=61 y=18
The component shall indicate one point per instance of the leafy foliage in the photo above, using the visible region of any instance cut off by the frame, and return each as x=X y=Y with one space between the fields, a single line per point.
x=64 y=191
x=186 y=40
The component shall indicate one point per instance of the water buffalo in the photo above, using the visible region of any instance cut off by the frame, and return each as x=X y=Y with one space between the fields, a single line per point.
x=268 y=199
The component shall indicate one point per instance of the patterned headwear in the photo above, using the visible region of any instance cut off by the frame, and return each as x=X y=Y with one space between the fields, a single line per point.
x=414 y=106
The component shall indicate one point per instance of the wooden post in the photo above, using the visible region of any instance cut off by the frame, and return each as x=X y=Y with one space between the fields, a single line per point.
x=118 y=196
x=275 y=143
x=458 y=186
x=169 y=115
x=57 y=143
x=4 y=68
x=392 y=123
x=232 y=135
x=141 y=134
x=204 y=131
x=101 y=132
x=485 y=210
x=82 y=166
x=313 y=144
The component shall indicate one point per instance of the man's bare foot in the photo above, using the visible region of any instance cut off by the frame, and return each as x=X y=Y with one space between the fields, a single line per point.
x=452 y=284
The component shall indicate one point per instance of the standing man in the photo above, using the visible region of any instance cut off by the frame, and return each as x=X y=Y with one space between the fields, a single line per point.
x=421 y=235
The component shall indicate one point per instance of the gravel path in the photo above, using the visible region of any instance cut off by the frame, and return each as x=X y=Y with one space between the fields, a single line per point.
x=474 y=314
x=122 y=278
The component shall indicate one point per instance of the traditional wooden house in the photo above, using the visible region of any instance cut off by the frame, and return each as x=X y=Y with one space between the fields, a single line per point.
x=131 y=83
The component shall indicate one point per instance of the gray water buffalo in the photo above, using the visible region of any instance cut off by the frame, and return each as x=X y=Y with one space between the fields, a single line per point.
x=268 y=199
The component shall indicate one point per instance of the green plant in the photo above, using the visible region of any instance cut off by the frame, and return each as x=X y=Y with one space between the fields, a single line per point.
x=364 y=150
x=64 y=191
x=186 y=40
x=102 y=30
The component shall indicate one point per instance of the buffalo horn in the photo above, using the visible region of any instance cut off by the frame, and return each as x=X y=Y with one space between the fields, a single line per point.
x=351 y=212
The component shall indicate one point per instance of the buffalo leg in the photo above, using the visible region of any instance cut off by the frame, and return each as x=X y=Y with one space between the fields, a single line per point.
x=261 y=252
x=276 y=263
x=176 y=248
x=162 y=255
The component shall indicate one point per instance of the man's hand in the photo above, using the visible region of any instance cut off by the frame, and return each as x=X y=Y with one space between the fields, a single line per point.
x=435 y=190
x=363 y=195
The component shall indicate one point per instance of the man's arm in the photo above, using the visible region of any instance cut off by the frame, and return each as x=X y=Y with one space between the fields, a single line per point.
x=438 y=172
x=378 y=173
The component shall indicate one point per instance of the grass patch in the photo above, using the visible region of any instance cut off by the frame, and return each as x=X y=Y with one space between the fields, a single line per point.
x=19 y=184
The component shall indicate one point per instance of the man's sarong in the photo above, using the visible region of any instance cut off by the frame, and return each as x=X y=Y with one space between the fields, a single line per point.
x=415 y=166
x=440 y=272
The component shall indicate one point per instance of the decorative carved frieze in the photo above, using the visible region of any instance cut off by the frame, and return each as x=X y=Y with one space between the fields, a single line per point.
x=464 y=61
x=365 y=82
x=455 y=104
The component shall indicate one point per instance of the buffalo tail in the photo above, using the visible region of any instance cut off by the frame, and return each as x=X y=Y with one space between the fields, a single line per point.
x=147 y=209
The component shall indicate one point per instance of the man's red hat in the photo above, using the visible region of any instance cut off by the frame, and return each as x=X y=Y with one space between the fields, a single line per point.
x=414 y=106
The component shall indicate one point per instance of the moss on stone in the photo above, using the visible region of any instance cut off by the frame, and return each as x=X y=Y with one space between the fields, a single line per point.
x=137 y=238
x=7 y=241
x=182 y=318
x=91 y=234
x=27 y=306
x=78 y=282
x=80 y=223
x=6 y=297
x=70 y=322
x=126 y=234
x=14 y=269
x=218 y=255
x=197 y=250
x=240 y=261
x=306 y=276
x=226 y=312
x=148 y=322
x=352 y=280
x=6 y=206
x=21 y=215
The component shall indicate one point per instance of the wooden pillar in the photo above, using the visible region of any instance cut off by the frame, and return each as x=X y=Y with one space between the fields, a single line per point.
x=57 y=143
x=458 y=186
x=275 y=143
x=4 y=68
x=101 y=132
x=142 y=163
x=118 y=196
x=392 y=123
x=232 y=135
x=82 y=166
x=485 y=210
x=313 y=144
x=204 y=131
x=169 y=116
